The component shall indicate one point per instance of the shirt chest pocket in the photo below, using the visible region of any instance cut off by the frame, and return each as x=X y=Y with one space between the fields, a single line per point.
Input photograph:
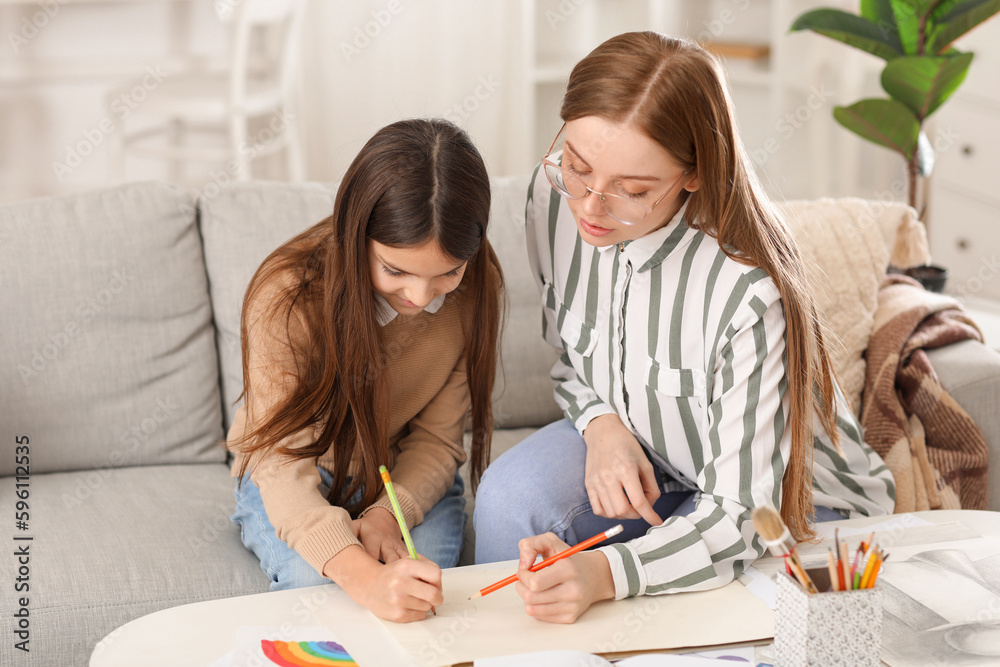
x=575 y=332
x=678 y=382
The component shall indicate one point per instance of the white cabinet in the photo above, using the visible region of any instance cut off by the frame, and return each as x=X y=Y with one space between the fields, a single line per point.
x=964 y=220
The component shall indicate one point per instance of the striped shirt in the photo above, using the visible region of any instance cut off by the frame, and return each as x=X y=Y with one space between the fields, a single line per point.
x=687 y=347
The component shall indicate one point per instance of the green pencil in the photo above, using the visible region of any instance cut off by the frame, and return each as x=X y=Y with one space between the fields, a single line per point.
x=398 y=511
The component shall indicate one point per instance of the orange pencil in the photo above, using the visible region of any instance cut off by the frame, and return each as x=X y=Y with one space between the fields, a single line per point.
x=600 y=537
x=869 y=566
x=881 y=561
x=842 y=549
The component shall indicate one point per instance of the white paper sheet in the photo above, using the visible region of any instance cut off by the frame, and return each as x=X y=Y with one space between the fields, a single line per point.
x=496 y=625
x=893 y=523
x=941 y=604
x=762 y=586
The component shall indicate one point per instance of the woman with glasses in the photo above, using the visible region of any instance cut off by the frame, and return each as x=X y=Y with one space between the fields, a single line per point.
x=367 y=340
x=692 y=372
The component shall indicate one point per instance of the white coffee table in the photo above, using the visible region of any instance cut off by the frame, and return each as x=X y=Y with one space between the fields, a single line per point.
x=196 y=635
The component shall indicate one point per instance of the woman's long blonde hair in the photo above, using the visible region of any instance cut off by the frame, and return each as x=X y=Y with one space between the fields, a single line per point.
x=675 y=92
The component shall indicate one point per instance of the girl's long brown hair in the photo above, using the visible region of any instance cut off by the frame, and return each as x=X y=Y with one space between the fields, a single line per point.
x=674 y=91
x=415 y=181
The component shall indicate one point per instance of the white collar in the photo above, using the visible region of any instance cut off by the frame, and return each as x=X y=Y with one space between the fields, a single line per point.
x=387 y=313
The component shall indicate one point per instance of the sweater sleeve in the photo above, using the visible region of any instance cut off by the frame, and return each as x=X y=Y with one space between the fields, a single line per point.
x=301 y=515
x=744 y=457
x=577 y=400
x=432 y=451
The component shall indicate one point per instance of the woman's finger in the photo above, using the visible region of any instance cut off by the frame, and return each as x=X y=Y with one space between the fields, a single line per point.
x=616 y=501
x=640 y=503
x=595 y=501
x=544 y=545
x=557 y=612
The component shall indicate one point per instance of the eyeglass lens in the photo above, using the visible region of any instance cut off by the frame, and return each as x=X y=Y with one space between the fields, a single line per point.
x=571 y=186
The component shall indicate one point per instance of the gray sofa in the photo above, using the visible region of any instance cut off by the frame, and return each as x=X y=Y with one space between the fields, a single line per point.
x=119 y=371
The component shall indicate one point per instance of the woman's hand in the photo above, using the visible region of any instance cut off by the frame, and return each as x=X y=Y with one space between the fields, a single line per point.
x=619 y=478
x=402 y=591
x=378 y=532
x=561 y=592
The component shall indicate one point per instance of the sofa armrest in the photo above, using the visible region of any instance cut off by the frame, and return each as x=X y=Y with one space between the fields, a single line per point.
x=970 y=372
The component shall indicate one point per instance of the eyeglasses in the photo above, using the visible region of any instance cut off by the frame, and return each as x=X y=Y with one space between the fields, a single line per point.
x=571 y=186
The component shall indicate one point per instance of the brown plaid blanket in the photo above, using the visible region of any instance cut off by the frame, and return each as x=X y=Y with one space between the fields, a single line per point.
x=936 y=453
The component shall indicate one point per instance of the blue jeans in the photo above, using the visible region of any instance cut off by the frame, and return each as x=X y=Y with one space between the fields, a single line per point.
x=537 y=487
x=438 y=537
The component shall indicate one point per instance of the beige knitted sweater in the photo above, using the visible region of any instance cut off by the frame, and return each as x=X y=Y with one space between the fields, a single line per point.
x=428 y=404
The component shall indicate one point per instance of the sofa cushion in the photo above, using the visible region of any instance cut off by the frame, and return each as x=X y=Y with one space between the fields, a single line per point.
x=107 y=355
x=241 y=226
x=970 y=372
x=524 y=394
x=245 y=222
x=110 y=546
x=847 y=245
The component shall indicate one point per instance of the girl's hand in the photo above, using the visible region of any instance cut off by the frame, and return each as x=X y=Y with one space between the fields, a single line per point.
x=619 y=478
x=561 y=592
x=378 y=532
x=402 y=591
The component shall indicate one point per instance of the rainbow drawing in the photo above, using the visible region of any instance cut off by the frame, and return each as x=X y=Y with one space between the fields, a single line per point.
x=306 y=654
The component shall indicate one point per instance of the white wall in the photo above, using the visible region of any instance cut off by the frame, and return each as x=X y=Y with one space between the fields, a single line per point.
x=367 y=63
x=57 y=62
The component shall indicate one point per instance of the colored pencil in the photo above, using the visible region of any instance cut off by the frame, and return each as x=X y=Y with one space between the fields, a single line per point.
x=831 y=564
x=882 y=560
x=872 y=564
x=858 y=555
x=600 y=537
x=846 y=583
x=869 y=565
x=398 y=511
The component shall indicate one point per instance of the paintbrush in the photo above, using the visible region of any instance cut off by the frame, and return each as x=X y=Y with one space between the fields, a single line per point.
x=779 y=540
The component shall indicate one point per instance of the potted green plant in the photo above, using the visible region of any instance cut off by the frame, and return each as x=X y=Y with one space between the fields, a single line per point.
x=922 y=70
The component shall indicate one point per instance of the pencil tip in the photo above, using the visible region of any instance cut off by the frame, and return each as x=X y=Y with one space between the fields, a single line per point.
x=477 y=594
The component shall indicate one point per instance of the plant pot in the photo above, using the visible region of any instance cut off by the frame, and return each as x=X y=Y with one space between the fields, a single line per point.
x=931 y=277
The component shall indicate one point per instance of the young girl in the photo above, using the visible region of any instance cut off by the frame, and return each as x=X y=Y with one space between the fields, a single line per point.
x=366 y=340
x=693 y=372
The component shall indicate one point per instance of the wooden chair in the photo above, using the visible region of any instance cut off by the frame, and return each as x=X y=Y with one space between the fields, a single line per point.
x=256 y=87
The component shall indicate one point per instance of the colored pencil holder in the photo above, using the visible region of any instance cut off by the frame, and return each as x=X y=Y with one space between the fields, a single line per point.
x=826 y=628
